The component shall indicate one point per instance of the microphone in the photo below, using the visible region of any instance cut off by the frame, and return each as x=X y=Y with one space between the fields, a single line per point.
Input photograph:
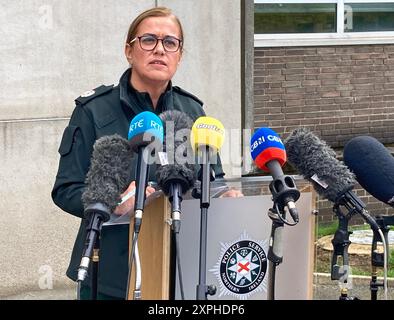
x=145 y=136
x=207 y=137
x=317 y=162
x=106 y=179
x=373 y=166
x=207 y=132
x=175 y=176
x=269 y=154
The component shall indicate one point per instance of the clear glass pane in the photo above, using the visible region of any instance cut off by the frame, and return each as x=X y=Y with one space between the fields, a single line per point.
x=363 y=17
x=295 y=18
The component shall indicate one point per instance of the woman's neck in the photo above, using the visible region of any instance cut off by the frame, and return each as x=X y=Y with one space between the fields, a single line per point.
x=153 y=88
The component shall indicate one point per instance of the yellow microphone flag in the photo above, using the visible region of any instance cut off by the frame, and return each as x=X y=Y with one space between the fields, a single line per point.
x=207 y=131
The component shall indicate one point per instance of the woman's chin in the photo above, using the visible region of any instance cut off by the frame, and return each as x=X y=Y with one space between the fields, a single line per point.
x=159 y=76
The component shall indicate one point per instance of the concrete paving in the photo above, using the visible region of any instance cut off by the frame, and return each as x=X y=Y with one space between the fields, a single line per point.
x=323 y=289
x=56 y=294
x=359 y=286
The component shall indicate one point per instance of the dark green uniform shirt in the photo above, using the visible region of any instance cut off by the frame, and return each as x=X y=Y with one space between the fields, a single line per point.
x=105 y=111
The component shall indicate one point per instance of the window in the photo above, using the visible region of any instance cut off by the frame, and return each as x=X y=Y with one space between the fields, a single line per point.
x=323 y=22
x=295 y=18
x=364 y=17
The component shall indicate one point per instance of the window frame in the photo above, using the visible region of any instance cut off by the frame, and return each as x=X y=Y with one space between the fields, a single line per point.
x=319 y=39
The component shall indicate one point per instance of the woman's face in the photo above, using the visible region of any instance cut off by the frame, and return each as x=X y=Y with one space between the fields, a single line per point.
x=157 y=65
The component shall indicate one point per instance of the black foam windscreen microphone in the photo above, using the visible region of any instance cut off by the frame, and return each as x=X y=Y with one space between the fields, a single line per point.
x=176 y=175
x=109 y=172
x=373 y=166
x=317 y=162
x=107 y=178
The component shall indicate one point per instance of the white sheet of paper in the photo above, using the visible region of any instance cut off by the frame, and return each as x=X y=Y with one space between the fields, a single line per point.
x=125 y=219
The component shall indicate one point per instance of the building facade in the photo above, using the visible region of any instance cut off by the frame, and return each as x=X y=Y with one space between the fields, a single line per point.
x=328 y=66
x=279 y=64
x=52 y=52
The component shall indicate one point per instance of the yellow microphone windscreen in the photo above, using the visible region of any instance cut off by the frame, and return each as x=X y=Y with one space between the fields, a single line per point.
x=207 y=131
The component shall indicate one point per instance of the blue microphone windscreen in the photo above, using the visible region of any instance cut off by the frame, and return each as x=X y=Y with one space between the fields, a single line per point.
x=263 y=139
x=373 y=166
x=146 y=123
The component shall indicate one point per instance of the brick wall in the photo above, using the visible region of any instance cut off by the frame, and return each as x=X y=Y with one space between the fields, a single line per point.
x=338 y=92
x=374 y=206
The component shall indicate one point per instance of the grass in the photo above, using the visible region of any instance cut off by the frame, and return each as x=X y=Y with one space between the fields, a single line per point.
x=363 y=272
x=359 y=266
x=327 y=229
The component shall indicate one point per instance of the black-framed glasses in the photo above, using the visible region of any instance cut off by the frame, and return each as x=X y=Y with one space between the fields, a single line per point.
x=148 y=42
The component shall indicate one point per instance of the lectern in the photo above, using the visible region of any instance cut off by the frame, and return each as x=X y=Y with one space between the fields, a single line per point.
x=154 y=251
x=237 y=246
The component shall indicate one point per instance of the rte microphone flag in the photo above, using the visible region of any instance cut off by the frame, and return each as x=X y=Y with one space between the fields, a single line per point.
x=144 y=128
x=145 y=133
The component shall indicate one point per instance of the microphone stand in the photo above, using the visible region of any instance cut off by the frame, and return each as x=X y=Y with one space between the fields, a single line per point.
x=341 y=245
x=377 y=258
x=94 y=271
x=275 y=252
x=341 y=241
x=205 y=176
x=281 y=189
x=175 y=198
x=100 y=215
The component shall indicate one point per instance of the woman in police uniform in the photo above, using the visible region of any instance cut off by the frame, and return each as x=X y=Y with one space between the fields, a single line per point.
x=153 y=49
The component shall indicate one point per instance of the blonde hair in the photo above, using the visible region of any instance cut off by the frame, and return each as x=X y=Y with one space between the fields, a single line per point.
x=153 y=12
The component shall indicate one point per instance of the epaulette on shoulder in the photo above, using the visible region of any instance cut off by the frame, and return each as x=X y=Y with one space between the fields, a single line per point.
x=91 y=94
x=187 y=94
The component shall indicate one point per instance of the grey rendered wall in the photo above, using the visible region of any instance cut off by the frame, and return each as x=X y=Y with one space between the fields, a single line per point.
x=51 y=52
x=211 y=66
